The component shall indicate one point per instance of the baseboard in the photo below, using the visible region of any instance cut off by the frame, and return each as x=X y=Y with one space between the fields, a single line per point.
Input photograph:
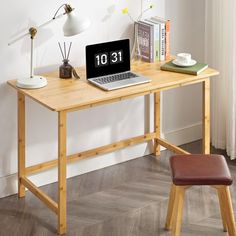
x=184 y=135
x=8 y=184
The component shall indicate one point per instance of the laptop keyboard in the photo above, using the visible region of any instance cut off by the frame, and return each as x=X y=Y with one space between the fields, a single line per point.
x=114 y=78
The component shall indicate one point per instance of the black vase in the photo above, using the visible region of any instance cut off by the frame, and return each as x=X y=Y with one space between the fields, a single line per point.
x=65 y=70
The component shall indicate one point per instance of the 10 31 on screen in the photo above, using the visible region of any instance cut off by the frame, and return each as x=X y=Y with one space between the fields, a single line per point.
x=106 y=58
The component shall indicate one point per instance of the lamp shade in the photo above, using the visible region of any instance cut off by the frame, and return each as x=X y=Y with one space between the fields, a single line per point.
x=75 y=25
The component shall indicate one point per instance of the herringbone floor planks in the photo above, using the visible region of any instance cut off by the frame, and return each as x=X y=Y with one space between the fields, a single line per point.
x=129 y=199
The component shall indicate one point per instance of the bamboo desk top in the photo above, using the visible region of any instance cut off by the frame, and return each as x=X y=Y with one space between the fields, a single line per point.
x=73 y=94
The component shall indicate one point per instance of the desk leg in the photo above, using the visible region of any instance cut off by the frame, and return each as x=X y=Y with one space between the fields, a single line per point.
x=157 y=128
x=62 y=172
x=21 y=143
x=206 y=116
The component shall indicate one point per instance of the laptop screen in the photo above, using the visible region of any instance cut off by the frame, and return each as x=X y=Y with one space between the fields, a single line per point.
x=107 y=58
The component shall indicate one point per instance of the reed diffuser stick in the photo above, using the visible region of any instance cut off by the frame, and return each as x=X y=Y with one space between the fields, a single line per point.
x=65 y=49
x=61 y=51
x=69 y=51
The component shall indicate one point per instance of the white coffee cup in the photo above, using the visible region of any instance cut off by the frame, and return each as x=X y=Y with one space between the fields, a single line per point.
x=184 y=58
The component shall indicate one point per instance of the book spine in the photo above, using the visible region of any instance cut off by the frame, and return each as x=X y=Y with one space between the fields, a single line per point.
x=144 y=40
x=156 y=39
x=157 y=42
x=152 y=38
x=167 y=34
x=167 y=40
x=151 y=41
x=162 y=41
x=178 y=71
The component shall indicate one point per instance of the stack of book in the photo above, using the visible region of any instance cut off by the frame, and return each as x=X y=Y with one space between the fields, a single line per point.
x=153 y=39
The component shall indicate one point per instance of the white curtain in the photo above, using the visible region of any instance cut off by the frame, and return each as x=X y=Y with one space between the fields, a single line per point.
x=220 y=49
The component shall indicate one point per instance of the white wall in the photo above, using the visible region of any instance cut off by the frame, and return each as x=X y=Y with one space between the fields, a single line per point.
x=182 y=106
x=88 y=128
x=100 y=125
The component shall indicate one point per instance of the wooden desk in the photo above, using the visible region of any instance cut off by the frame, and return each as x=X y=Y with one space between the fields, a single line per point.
x=63 y=96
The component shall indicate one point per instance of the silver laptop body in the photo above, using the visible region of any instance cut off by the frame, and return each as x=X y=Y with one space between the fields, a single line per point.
x=108 y=66
x=119 y=83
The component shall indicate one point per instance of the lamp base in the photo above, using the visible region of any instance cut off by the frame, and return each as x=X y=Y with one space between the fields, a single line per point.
x=32 y=83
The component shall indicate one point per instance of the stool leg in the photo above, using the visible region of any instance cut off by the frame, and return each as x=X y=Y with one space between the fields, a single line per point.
x=169 y=216
x=228 y=208
x=178 y=210
x=222 y=210
x=206 y=116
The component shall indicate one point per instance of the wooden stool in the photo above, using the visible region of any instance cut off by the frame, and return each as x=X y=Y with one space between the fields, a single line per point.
x=189 y=170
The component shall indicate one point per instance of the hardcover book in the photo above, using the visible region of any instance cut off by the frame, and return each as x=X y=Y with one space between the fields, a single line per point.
x=162 y=26
x=145 y=41
x=167 y=28
x=156 y=39
x=192 y=70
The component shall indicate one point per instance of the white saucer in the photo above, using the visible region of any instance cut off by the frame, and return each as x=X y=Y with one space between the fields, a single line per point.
x=177 y=63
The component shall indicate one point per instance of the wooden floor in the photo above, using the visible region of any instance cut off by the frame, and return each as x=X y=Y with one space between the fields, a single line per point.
x=128 y=199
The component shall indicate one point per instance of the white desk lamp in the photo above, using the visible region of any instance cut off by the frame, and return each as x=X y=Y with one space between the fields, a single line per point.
x=74 y=25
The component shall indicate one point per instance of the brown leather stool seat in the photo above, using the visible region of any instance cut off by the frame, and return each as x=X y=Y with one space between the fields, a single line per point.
x=198 y=169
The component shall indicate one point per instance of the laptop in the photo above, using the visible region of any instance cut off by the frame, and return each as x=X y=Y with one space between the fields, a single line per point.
x=108 y=65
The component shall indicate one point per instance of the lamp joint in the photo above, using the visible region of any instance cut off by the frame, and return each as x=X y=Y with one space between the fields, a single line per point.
x=68 y=8
x=33 y=32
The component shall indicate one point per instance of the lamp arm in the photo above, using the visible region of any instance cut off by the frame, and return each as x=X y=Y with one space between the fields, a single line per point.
x=50 y=21
x=67 y=8
x=18 y=38
x=37 y=27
